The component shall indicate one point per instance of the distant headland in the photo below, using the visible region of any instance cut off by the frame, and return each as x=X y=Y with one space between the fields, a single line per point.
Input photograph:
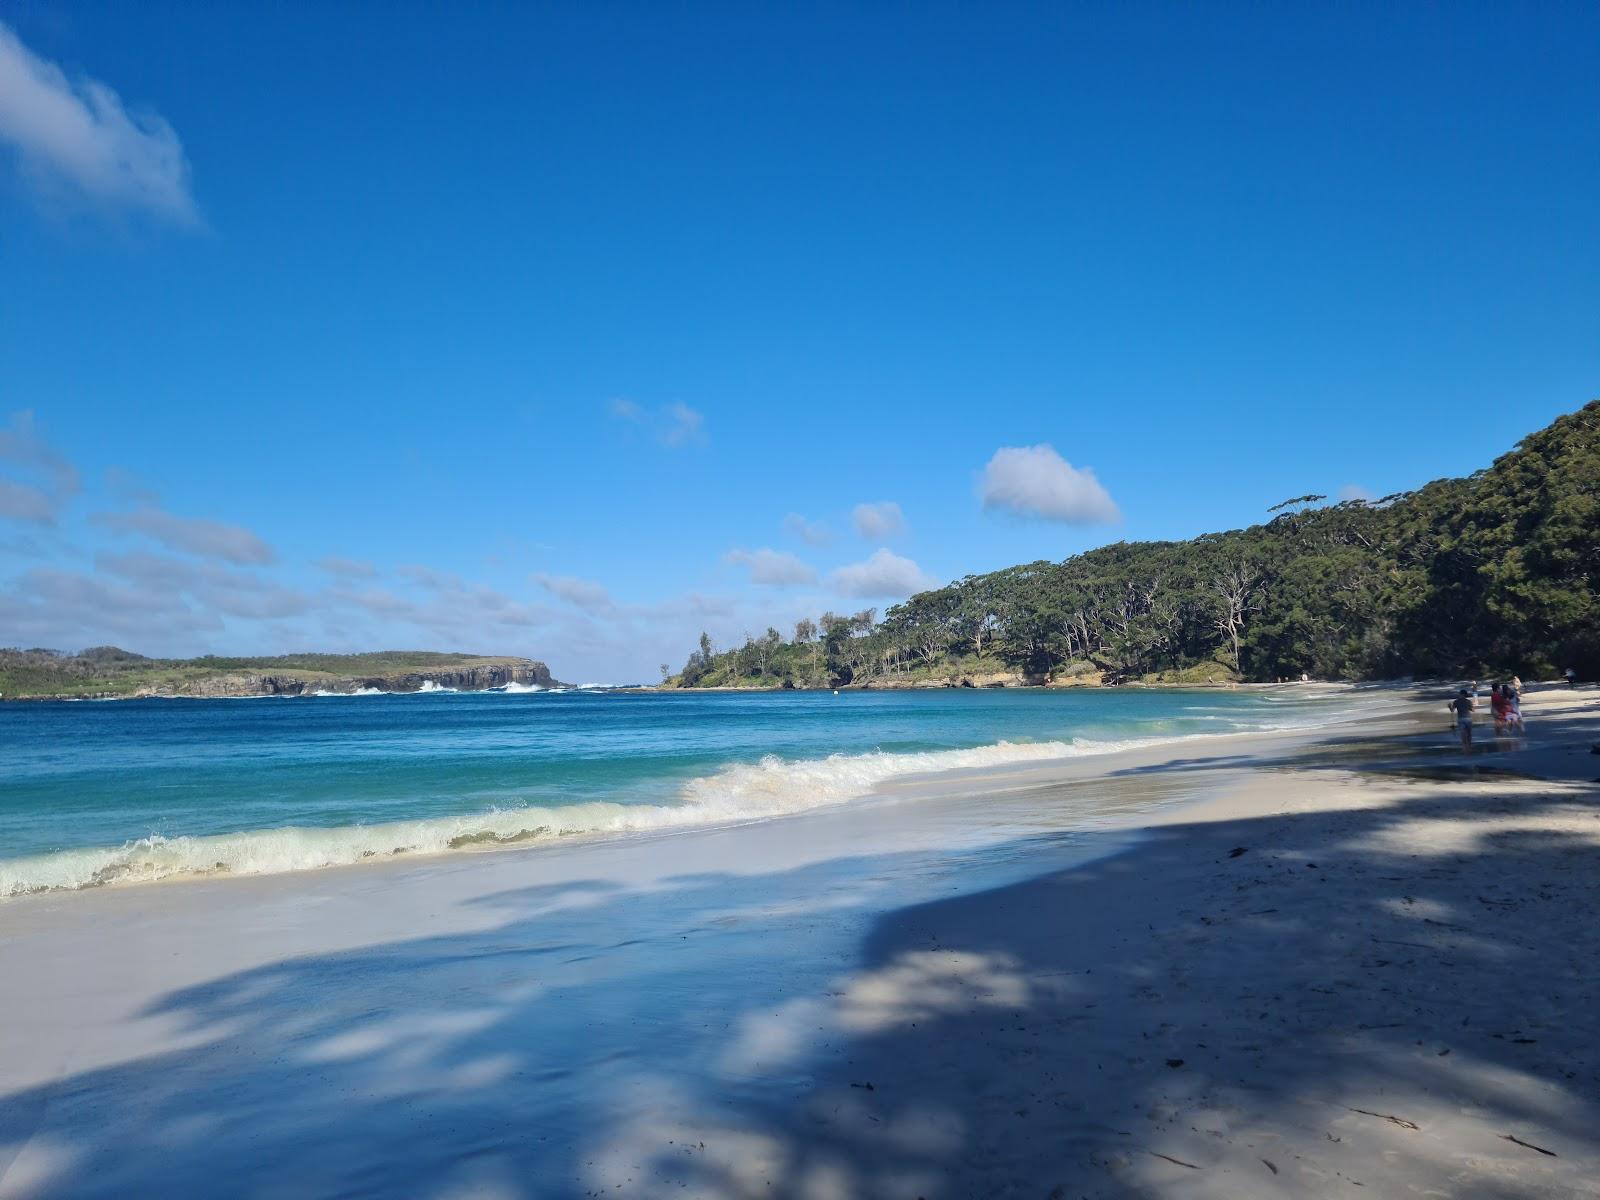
x=108 y=672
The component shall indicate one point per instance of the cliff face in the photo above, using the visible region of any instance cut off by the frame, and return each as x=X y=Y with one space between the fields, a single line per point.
x=525 y=672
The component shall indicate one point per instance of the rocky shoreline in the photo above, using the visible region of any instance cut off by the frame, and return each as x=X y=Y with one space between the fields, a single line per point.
x=237 y=684
x=467 y=679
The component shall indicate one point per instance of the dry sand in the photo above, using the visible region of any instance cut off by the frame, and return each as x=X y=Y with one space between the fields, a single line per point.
x=1356 y=964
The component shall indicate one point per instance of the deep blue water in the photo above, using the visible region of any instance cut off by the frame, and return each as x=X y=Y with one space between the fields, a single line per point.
x=138 y=789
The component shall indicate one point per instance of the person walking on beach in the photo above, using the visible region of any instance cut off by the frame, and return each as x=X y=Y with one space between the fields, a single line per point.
x=1500 y=706
x=1513 y=693
x=1462 y=707
x=1572 y=677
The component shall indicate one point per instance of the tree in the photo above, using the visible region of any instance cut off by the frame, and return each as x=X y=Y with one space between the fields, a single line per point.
x=1236 y=587
x=1496 y=571
x=766 y=647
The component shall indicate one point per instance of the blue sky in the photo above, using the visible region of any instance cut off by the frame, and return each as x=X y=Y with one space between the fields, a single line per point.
x=570 y=331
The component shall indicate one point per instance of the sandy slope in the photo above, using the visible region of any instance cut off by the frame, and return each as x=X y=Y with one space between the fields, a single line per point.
x=954 y=994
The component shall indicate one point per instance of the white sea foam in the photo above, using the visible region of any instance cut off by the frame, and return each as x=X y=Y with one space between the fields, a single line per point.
x=519 y=689
x=736 y=793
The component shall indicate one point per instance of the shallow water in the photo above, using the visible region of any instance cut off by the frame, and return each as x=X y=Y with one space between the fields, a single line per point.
x=137 y=790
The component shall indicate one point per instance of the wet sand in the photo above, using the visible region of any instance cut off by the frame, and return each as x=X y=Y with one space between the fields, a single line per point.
x=1349 y=962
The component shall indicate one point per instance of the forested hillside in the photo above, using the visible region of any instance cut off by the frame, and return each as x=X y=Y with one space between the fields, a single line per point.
x=1492 y=573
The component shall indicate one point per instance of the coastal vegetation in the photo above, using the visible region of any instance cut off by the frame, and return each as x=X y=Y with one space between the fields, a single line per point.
x=109 y=671
x=1495 y=572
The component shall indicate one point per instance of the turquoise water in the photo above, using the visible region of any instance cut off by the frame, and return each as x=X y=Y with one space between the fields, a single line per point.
x=135 y=790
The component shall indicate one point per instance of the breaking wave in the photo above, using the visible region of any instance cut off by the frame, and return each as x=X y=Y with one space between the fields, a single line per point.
x=738 y=792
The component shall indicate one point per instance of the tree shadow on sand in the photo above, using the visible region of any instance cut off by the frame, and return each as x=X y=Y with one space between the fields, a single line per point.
x=718 y=1037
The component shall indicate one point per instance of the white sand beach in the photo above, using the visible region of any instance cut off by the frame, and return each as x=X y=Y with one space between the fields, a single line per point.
x=1348 y=962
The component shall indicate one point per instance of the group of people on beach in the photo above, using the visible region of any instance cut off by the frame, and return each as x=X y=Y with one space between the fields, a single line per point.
x=1505 y=705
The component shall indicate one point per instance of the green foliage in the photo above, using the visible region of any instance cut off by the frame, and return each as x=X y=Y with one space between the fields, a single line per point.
x=1494 y=573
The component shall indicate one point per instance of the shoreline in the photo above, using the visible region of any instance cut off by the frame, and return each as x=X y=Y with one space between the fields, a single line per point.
x=532 y=830
x=1389 y=979
x=660 y=689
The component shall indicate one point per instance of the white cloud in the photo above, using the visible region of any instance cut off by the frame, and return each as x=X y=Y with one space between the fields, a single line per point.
x=673 y=425
x=193 y=535
x=427 y=577
x=580 y=593
x=23 y=502
x=1035 y=481
x=684 y=425
x=70 y=610
x=125 y=485
x=812 y=533
x=879 y=522
x=1354 y=491
x=78 y=132
x=54 y=480
x=884 y=574
x=349 y=568
x=226 y=590
x=772 y=568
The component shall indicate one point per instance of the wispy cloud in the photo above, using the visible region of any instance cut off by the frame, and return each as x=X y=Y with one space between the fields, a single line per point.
x=1035 y=481
x=192 y=535
x=225 y=590
x=584 y=594
x=23 y=546
x=455 y=615
x=125 y=485
x=76 y=132
x=879 y=522
x=24 y=502
x=72 y=609
x=884 y=574
x=673 y=425
x=812 y=533
x=427 y=577
x=50 y=480
x=347 y=568
x=1354 y=491
x=772 y=568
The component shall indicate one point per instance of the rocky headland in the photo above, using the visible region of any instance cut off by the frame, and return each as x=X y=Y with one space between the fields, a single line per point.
x=107 y=672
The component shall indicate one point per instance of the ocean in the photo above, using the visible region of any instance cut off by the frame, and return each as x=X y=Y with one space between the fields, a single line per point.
x=129 y=791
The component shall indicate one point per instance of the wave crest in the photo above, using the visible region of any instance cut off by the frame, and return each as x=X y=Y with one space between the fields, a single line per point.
x=738 y=792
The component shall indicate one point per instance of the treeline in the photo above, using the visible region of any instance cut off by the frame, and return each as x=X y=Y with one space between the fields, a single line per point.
x=1492 y=573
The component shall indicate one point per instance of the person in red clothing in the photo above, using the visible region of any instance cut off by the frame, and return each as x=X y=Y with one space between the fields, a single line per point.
x=1500 y=706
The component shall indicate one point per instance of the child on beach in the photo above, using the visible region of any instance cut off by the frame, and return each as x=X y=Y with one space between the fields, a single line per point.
x=1500 y=706
x=1462 y=707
